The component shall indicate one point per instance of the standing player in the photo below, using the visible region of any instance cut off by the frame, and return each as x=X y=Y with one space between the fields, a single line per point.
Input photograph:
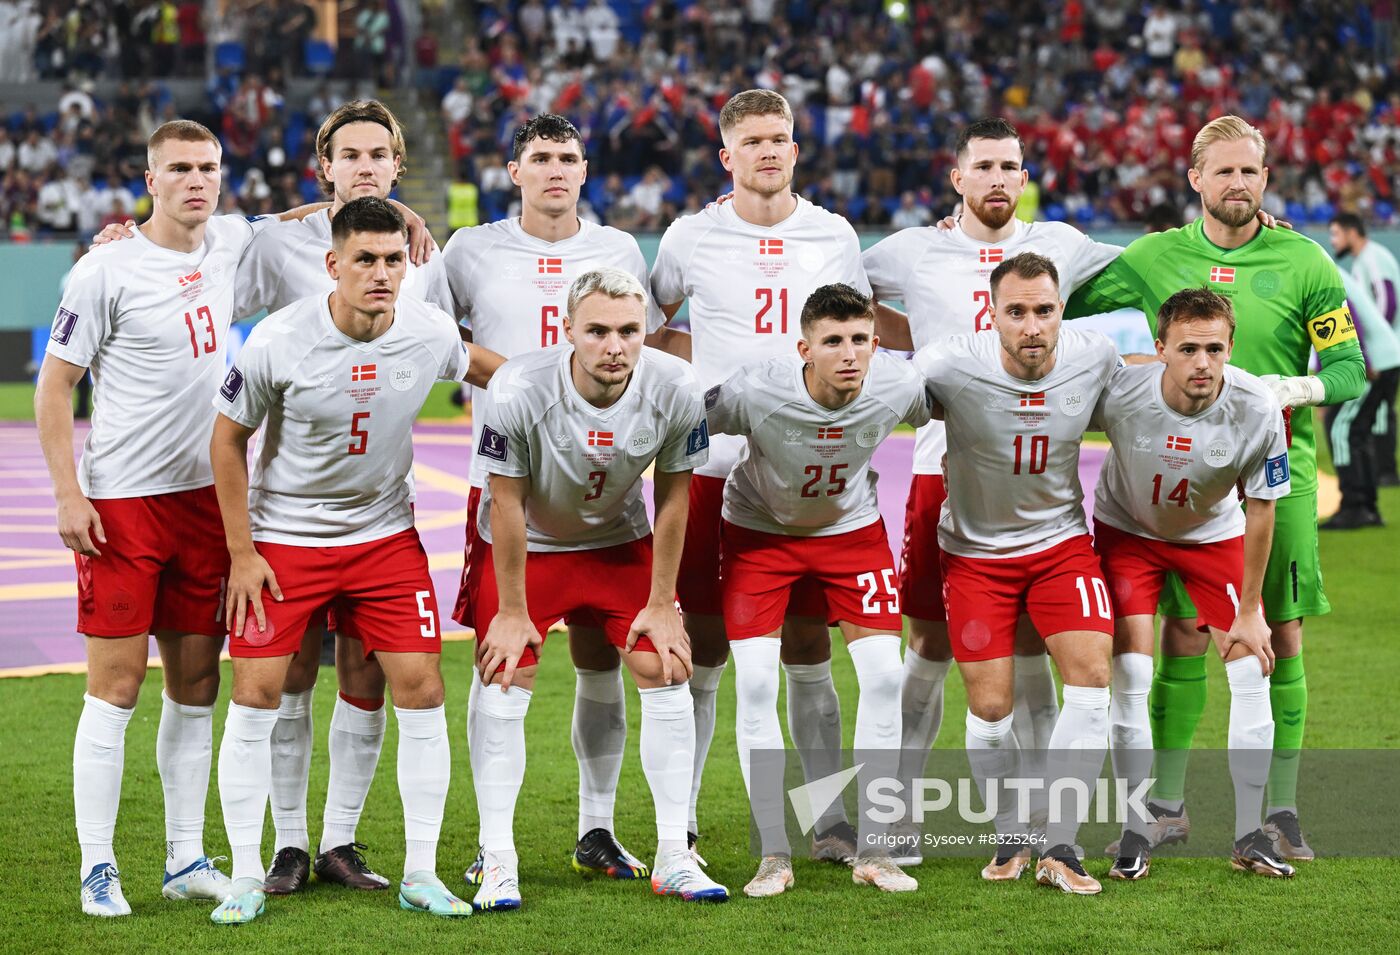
x=941 y=277
x=508 y=282
x=1288 y=300
x=1375 y=266
x=1016 y=401
x=800 y=505
x=149 y=317
x=747 y=267
x=1184 y=437
x=338 y=381
x=566 y=435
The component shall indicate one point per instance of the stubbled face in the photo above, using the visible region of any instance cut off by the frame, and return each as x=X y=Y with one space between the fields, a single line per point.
x=990 y=179
x=550 y=175
x=607 y=336
x=761 y=154
x=361 y=162
x=839 y=352
x=1195 y=353
x=368 y=269
x=184 y=180
x=1344 y=240
x=1027 y=319
x=1231 y=181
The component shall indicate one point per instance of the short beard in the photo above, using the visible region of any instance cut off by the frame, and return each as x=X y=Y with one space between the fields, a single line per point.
x=1232 y=217
x=752 y=185
x=992 y=218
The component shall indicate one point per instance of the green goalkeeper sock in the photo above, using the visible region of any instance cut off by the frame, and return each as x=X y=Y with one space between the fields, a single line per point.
x=1175 y=705
x=1288 y=692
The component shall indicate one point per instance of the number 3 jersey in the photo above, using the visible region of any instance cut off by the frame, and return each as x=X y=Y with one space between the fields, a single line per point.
x=337 y=419
x=150 y=323
x=747 y=284
x=943 y=279
x=511 y=289
x=1172 y=477
x=584 y=463
x=1013 y=445
x=805 y=469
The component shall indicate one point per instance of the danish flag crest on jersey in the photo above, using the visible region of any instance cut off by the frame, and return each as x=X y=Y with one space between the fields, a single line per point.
x=1178 y=443
x=989 y=256
x=770 y=246
x=1034 y=399
x=550 y=266
x=1222 y=274
x=363 y=372
x=600 y=439
x=830 y=434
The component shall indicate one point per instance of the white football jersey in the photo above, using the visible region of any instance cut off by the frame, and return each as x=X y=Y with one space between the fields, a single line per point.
x=1013 y=445
x=585 y=464
x=942 y=277
x=746 y=285
x=1173 y=478
x=805 y=469
x=151 y=324
x=511 y=289
x=287 y=263
x=337 y=419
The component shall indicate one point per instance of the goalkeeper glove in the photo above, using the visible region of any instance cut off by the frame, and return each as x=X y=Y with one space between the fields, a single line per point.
x=1296 y=392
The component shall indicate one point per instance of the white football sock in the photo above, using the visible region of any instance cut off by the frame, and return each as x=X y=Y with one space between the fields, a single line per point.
x=920 y=711
x=1076 y=753
x=425 y=769
x=356 y=738
x=599 y=738
x=757 y=728
x=992 y=755
x=184 y=750
x=1251 y=738
x=498 y=763
x=291 y=768
x=245 y=776
x=879 y=672
x=1035 y=707
x=668 y=758
x=704 y=690
x=1130 y=730
x=99 y=748
x=814 y=723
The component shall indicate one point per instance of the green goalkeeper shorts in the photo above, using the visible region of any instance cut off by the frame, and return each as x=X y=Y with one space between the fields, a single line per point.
x=1293 y=579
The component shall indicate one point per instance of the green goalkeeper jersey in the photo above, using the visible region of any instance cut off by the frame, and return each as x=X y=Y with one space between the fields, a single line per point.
x=1288 y=298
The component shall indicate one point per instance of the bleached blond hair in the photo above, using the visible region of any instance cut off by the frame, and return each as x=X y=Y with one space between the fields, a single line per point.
x=1223 y=130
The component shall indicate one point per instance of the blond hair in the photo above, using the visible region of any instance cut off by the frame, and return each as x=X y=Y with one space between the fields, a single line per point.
x=752 y=103
x=358 y=111
x=1223 y=130
x=614 y=283
x=181 y=131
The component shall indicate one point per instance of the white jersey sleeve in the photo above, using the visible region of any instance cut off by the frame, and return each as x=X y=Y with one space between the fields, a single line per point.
x=336 y=418
x=151 y=323
x=805 y=469
x=1173 y=477
x=586 y=464
x=1013 y=445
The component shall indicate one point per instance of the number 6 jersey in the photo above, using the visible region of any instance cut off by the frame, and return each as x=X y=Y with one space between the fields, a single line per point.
x=1013 y=445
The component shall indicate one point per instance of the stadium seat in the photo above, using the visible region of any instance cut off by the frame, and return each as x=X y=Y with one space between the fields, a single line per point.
x=320 y=57
x=230 y=56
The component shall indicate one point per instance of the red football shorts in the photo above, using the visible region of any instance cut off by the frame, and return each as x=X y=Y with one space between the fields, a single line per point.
x=698 y=586
x=920 y=558
x=853 y=571
x=1212 y=574
x=462 y=612
x=163 y=568
x=1062 y=588
x=380 y=590
x=606 y=587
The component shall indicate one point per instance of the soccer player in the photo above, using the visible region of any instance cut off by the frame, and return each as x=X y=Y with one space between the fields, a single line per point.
x=1288 y=300
x=336 y=381
x=508 y=282
x=941 y=277
x=566 y=435
x=1016 y=401
x=747 y=266
x=1185 y=432
x=149 y=318
x=800 y=505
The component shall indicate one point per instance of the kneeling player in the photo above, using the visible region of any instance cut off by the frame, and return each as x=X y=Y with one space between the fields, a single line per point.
x=338 y=381
x=1184 y=437
x=800 y=506
x=566 y=436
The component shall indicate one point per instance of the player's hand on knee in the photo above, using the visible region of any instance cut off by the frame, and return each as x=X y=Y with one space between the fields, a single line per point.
x=247 y=577
x=1251 y=631
x=663 y=626
x=505 y=642
x=115 y=231
x=79 y=525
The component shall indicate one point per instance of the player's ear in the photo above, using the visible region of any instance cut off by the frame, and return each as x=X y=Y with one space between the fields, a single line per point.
x=804 y=350
x=331 y=265
x=1193 y=176
x=726 y=159
x=955 y=177
x=513 y=168
x=1025 y=177
x=1161 y=350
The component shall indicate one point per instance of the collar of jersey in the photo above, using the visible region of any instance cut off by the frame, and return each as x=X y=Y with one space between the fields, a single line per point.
x=1200 y=228
x=964 y=237
x=1199 y=415
x=191 y=258
x=581 y=403
x=519 y=229
x=355 y=343
x=793 y=217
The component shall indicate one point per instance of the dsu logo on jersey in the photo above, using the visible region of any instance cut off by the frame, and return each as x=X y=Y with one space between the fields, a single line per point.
x=1074 y=404
x=641 y=442
x=1217 y=453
